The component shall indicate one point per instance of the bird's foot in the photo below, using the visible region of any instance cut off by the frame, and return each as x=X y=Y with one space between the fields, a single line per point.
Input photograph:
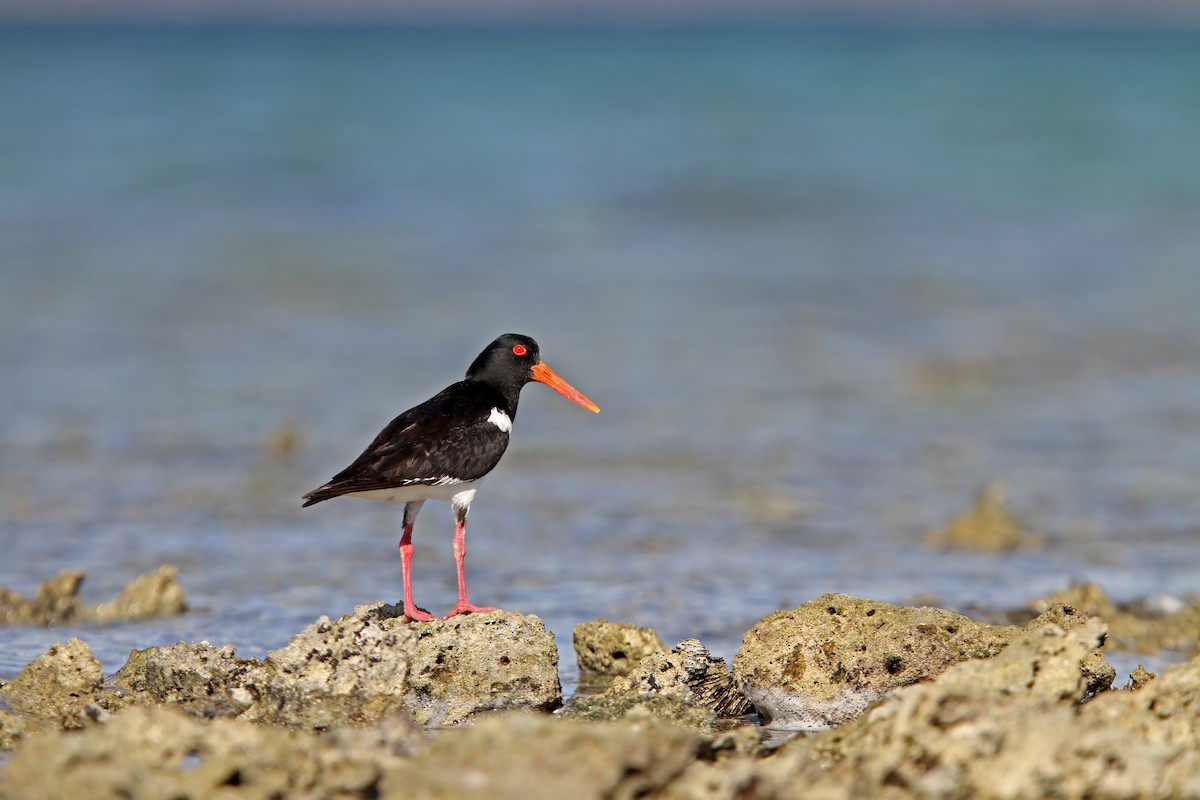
x=415 y=614
x=467 y=608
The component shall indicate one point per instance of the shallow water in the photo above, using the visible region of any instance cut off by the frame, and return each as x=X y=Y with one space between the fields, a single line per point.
x=823 y=284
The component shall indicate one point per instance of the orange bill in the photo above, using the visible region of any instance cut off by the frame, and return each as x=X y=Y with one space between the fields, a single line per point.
x=543 y=374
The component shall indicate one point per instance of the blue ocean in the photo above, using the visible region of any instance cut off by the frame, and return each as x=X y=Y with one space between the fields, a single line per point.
x=824 y=283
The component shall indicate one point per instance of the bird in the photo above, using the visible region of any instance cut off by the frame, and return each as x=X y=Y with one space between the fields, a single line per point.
x=443 y=448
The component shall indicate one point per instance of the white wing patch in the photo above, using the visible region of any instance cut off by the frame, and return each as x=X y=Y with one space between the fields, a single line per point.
x=500 y=420
x=445 y=480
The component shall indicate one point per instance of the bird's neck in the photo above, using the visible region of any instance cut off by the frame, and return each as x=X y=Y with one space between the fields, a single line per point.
x=507 y=395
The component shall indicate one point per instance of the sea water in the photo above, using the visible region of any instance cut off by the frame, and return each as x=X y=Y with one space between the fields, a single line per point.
x=824 y=284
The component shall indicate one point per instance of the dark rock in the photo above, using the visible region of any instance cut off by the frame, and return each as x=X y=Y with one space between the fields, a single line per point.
x=710 y=680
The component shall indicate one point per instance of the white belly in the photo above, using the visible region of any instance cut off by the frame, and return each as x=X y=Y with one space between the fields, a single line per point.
x=461 y=493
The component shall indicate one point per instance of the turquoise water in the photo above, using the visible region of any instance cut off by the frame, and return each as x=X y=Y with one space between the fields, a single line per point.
x=824 y=285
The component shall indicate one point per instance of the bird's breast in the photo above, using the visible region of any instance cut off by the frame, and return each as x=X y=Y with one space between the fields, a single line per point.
x=500 y=419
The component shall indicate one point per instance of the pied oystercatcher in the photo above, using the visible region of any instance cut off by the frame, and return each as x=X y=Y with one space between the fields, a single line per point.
x=441 y=449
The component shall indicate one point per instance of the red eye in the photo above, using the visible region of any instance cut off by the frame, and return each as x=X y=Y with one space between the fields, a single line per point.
x=519 y=350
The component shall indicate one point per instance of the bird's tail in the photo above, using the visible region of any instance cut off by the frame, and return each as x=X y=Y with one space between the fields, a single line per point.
x=318 y=495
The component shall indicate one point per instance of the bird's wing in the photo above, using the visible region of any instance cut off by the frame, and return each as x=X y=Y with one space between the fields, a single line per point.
x=447 y=438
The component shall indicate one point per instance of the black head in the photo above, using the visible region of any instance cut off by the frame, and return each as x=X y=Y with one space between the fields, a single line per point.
x=508 y=361
x=514 y=360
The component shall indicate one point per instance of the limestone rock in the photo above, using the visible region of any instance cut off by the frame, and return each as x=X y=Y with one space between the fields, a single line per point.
x=161 y=752
x=197 y=677
x=1139 y=678
x=353 y=669
x=1012 y=726
x=1164 y=710
x=686 y=686
x=1136 y=627
x=606 y=650
x=1006 y=727
x=664 y=707
x=57 y=602
x=54 y=602
x=155 y=594
x=13 y=728
x=1060 y=614
x=987 y=526
x=823 y=662
x=529 y=757
x=59 y=683
x=482 y=662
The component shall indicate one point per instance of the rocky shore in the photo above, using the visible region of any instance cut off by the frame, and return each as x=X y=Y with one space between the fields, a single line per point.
x=859 y=699
x=56 y=601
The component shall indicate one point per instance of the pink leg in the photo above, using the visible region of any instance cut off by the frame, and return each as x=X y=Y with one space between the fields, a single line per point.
x=406 y=550
x=460 y=554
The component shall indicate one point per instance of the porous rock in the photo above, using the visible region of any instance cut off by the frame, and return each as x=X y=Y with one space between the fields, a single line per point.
x=155 y=594
x=350 y=670
x=56 y=601
x=197 y=677
x=1140 y=677
x=1045 y=662
x=1007 y=727
x=57 y=684
x=1135 y=627
x=1018 y=725
x=532 y=757
x=355 y=668
x=144 y=752
x=1163 y=709
x=482 y=662
x=605 y=650
x=822 y=663
x=675 y=708
x=686 y=686
x=987 y=526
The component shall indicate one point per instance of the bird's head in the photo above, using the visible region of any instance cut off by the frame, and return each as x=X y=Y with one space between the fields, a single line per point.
x=514 y=360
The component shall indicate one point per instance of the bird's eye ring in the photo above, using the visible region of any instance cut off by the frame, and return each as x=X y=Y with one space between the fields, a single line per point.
x=519 y=350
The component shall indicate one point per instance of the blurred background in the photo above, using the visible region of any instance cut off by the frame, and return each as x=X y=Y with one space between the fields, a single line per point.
x=827 y=274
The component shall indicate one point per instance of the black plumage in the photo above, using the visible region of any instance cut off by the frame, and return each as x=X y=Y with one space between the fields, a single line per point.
x=449 y=436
